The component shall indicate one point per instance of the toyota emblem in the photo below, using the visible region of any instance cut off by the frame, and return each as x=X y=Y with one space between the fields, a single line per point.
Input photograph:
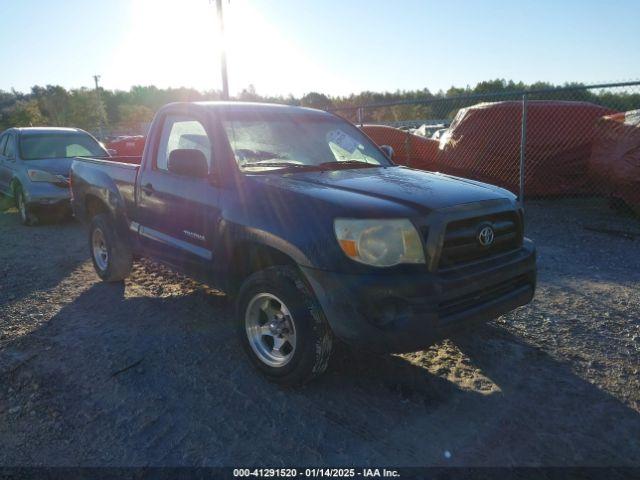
x=486 y=236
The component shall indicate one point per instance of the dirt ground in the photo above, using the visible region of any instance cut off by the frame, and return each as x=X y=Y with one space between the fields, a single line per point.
x=151 y=373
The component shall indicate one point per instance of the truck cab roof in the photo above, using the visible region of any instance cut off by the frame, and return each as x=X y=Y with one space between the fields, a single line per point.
x=233 y=107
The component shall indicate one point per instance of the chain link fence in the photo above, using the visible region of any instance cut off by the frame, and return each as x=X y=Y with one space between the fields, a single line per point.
x=575 y=141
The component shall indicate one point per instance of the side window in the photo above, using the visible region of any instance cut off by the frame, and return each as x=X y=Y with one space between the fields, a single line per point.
x=77 y=150
x=182 y=132
x=9 y=149
x=3 y=142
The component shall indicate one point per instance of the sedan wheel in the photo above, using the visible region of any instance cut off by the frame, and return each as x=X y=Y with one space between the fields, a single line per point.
x=22 y=208
x=26 y=217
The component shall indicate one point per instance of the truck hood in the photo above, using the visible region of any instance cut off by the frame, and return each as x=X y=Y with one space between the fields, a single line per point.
x=57 y=166
x=416 y=189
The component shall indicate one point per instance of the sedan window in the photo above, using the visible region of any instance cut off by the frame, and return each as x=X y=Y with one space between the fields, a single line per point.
x=34 y=146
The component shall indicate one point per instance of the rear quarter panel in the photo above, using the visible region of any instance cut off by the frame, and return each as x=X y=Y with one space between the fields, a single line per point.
x=112 y=183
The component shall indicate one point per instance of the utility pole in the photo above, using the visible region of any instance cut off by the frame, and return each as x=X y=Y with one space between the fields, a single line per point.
x=96 y=78
x=223 y=54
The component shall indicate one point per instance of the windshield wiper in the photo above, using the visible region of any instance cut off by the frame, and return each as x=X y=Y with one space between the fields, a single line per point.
x=348 y=164
x=334 y=165
x=282 y=165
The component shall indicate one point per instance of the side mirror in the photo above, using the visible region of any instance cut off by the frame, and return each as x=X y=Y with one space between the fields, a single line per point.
x=188 y=162
x=387 y=150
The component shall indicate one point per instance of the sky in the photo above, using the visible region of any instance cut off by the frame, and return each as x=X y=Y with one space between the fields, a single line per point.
x=335 y=47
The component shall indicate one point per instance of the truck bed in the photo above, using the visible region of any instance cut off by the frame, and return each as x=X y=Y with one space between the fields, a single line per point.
x=96 y=176
x=128 y=159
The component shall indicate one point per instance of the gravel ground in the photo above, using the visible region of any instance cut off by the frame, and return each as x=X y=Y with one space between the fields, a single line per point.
x=150 y=373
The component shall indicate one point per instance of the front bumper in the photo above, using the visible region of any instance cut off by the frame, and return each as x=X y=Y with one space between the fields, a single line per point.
x=402 y=313
x=42 y=196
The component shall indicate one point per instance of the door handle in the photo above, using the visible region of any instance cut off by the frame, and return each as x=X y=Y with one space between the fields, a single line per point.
x=148 y=189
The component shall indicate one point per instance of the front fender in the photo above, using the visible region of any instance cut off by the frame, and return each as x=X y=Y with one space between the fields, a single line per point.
x=232 y=234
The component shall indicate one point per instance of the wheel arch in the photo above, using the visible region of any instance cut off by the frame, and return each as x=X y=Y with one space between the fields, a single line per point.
x=250 y=256
x=102 y=201
x=94 y=205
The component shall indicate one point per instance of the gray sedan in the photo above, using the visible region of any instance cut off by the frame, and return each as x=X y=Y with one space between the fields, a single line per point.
x=34 y=167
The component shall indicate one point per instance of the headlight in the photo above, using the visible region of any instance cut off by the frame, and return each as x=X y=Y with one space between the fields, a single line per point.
x=381 y=243
x=42 y=176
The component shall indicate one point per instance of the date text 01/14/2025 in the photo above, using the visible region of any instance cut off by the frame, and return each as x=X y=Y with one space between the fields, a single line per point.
x=315 y=472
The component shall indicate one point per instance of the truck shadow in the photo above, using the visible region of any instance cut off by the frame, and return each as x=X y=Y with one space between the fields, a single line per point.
x=163 y=381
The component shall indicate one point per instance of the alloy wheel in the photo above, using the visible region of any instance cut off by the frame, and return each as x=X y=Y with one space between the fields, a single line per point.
x=99 y=249
x=270 y=329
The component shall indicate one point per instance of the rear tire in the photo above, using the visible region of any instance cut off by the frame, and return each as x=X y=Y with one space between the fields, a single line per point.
x=282 y=327
x=112 y=257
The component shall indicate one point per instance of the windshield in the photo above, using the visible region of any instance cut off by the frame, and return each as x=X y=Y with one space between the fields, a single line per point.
x=268 y=141
x=38 y=146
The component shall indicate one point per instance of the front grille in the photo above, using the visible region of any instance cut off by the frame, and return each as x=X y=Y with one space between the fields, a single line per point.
x=461 y=244
x=482 y=296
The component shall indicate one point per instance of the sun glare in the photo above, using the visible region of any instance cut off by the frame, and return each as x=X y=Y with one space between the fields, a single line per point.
x=177 y=43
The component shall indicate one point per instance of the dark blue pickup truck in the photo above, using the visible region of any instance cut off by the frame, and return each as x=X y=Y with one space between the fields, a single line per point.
x=311 y=228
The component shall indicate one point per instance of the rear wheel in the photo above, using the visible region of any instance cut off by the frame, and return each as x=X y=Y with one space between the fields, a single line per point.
x=281 y=326
x=112 y=258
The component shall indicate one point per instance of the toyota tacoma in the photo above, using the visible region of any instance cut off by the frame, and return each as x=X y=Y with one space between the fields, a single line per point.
x=311 y=228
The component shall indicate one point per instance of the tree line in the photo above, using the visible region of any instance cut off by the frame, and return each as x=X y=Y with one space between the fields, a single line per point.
x=104 y=111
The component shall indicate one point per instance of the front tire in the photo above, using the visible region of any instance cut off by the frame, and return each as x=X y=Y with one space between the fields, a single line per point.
x=26 y=217
x=281 y=326
x=112 y=257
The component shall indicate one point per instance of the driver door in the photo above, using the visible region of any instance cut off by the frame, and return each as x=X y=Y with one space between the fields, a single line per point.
x=178 y=214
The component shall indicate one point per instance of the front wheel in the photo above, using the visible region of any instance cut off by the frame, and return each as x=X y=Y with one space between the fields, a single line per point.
x=281 y=326
x=26 y=217
x=112 y=257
